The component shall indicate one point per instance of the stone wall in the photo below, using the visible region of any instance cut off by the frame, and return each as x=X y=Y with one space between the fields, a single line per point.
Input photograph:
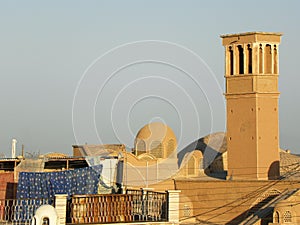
x=224 y=202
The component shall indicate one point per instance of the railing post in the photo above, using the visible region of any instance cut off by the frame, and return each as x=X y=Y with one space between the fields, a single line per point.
x=173 y=206
x=61 y=207
x=145 y=202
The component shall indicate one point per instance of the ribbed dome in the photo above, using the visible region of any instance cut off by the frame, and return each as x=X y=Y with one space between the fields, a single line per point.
x=157 y=139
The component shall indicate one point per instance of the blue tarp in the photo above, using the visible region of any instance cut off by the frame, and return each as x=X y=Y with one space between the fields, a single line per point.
x=47 y=184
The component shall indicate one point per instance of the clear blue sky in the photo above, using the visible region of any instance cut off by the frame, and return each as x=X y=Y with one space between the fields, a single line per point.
x=47 y=48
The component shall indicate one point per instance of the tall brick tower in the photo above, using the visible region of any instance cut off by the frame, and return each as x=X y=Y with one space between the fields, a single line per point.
x=251 y=73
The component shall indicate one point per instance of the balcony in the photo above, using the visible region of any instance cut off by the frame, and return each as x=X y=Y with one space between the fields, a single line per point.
x=135 y=206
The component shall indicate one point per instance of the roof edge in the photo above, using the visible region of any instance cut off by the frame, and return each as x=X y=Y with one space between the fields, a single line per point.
x=251 y=33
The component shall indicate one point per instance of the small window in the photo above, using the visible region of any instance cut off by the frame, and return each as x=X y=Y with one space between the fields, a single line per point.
x=157 y=149
x=186 y=211
x=46 y=221
x=170 y=148
x=287 y=217
x=141 y=146
x=191 y=166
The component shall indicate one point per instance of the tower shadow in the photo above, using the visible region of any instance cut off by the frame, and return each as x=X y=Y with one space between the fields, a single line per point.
x=211 y=152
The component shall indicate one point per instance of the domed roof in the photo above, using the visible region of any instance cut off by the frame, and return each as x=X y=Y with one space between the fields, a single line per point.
x=156 y=131
x=156 y=138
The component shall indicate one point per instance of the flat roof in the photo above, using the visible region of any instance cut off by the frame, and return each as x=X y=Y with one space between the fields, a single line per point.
x=251 y=33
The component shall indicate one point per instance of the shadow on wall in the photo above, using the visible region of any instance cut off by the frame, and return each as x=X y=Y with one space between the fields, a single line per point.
x=212 y=147
x=266 y=219
x=273 y=173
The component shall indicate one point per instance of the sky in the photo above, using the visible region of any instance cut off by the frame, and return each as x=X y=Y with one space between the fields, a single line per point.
x=76 y=72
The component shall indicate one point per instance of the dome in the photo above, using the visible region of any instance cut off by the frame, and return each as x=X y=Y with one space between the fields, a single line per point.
x=157 y=139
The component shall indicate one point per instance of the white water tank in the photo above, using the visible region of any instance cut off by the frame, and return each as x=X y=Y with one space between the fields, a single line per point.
x=45 y=214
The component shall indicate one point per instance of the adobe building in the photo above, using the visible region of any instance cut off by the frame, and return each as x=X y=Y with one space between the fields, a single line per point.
x=251 y=73
x=287 y=210
x=249 y=180
x=262 y=185
x=153 y=158
x=238 y=177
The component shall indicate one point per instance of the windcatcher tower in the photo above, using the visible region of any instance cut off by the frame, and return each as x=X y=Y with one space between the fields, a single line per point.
x=251 y=73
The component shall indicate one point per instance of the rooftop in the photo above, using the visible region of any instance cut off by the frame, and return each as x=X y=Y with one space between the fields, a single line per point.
x=251 y=33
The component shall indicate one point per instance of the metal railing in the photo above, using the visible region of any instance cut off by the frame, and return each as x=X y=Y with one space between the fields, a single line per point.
x=20 y=211
x=149 y=205
x=135 y=205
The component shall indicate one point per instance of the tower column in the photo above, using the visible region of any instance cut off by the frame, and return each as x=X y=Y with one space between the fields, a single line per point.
x=276 y=66
x=236 y=60
x=229 y=59
x=272 y=59
x=245 y=59
x=255 y=63
x=261 y=60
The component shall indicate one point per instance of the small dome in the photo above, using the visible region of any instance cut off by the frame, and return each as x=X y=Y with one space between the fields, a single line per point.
x=157 y=139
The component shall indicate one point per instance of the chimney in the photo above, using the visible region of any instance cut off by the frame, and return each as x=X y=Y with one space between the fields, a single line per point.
x=13 y=148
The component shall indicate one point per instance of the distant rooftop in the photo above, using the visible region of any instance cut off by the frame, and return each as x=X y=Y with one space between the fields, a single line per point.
x=251 y=33
x=99 y=150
